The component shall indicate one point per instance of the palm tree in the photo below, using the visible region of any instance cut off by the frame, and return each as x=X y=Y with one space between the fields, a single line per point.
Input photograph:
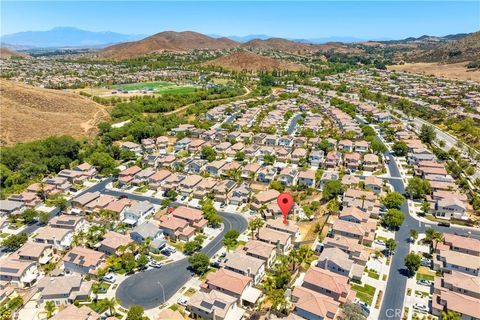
x=110 y=304
x=255 y=224
x=413 y=235
x=294 y=258
x=49 y=308
x=434 y=237
x=41 y=191
x=363 y=197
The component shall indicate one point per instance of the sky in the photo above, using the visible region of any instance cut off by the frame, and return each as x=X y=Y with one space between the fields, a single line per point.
x=291 y=19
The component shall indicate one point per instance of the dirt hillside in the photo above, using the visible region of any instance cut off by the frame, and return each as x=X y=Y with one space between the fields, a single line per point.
x=248 y=61
x=166 y=41
x=6 y=53
x=30 y=113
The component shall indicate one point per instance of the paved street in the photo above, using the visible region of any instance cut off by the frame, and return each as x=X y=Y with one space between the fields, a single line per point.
x=393 y=298
x=155 y=286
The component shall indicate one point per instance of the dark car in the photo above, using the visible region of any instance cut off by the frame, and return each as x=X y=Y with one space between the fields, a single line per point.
x=444 y=224
x=166 y=253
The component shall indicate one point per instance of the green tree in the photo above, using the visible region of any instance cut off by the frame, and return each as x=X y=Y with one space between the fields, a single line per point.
x=451 y=315
x=418 y=188
x=400 y=148
x=208 y=153
x=391 y=245
x=15 y=241
x=172 y=194
x=412 y=262
x=104 y=162
x=393 y=218
x=413 y=235
x=377 y=147
x=269 y=159
x=230 y=238
x=191 y=246
x=255 y=224
x=425 y=207
x=332 y=189
x=433 y=237
x=277 y=185
x=240 y=156
x=28 y=216
x=199 y=262
x=267 y=80
x=142 y=261
x=427 y=134
x=353 y=311
x=393 y=200
x=135 y=313
x=49 y=308
x=61 y=203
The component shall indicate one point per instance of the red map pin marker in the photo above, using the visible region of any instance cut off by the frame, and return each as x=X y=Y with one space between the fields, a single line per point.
x=285 y=202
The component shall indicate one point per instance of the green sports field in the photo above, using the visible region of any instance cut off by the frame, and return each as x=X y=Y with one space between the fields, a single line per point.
x=158 y=87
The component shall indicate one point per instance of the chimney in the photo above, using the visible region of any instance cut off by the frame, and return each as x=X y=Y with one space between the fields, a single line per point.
x=249 y=271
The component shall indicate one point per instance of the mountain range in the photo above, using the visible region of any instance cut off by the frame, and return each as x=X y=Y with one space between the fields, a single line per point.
x=62 y=37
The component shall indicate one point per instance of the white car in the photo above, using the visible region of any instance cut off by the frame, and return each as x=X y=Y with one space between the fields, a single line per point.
x=420 y=307
x=110 y=278
x=379 y=242
x=182 y=301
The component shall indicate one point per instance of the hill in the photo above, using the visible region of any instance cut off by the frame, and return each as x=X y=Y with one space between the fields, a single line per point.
x=464 y=49
x=6 y=53
x=166 y=41
x=66 y=37
x=248 y=61
x=280 y=44
x=30 y=113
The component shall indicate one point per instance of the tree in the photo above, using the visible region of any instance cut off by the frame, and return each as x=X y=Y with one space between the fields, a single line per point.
x=352 y=311
x=199 y=262
x=208 y=153
x=418 y=188
x=433 y=237
x=230 y=238
x=425 y=207
x=412 y=262
x=135 y=313
x=172 y=194
x=333 y=206
x=391 y=245
x=378 y=147
x=255 y=224
x=268 y=159
x=393 y=218
x=110 y=305
x=49 y=308
x=15 y=241
x=267 y=80
x=240 y=156
x=277 y=185
x=104 y=162
x=393 y=200
x=413 y=235
x=28 y=216
x=332 y=189
x=142 y=261
x=451 y=315
x=400 y=148
x=191 y=246
x=61 y=203
x=427 y=133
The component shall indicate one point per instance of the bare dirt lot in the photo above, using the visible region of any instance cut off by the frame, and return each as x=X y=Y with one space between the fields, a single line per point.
x=29 y=113
x=456 y=71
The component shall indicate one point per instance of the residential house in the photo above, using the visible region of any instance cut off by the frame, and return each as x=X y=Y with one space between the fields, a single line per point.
x=328 y=283
x=64 y=290
x=176 y=228
x=260 y=250
x=212 y=305
x=352 y=160
x=370 y=162
x=41 y=253
x=194 y=217
x=59 y=238
x=309 y=304
x=245 y=265
x=306 y=178
x=316 y=158
x=71 y=312
x=138 y=212
x=83 y=260
x=81 y=201
x=281 y=240
x=266 y=174
x=264 y=198
x=112 y=241
x=20 y=273
x=240 y=194
x=288 y=176
x=148 y=230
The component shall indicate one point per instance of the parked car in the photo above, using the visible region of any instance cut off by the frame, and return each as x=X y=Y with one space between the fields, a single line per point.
x=363 y=305
x=426 y=262
x=222 y=205
x=420 y=307
x=379 y=242
x=165 y=252
x=182 y=301
x=444 y=224
x=110 y=278
x=171 y=249
x=425 y=282
x=155 y=264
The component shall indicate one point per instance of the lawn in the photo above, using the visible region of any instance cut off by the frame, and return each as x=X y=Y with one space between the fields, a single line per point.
x=364 y=293
x=142 y=85
x=373 y=274
x=190 y=292
x=424 y=273
x=175 y=90
x=177 y=245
